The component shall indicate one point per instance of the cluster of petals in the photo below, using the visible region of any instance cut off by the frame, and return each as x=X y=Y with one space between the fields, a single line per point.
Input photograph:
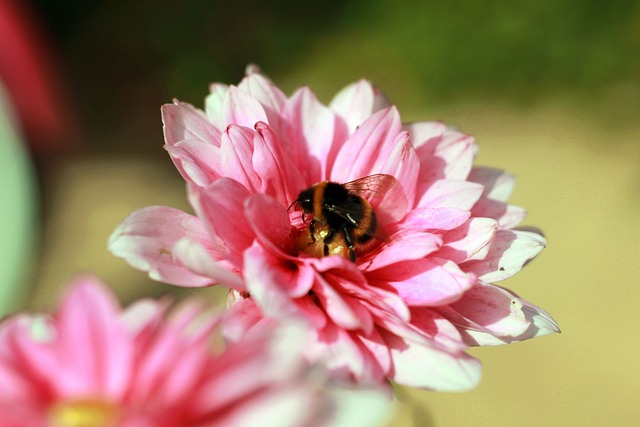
x=413 y=302
x=93 y=364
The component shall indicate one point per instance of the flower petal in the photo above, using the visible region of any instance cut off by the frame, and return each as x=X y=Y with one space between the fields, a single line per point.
x=270 y=222
x=508 y=216
x=451 y=194
x=269 y=281
x=498 y=184
x=376 y=345
x=197 y=161
x=490 y=315
x=401 y=163
x=435 y=219
x=343 y=354
x=183 y=121
x=402 y=246
x=198 y=260
x=425 y=282
x=96 y=350
x=146 y=239
x=422 y=133
x=236 y=154
x=264 y=91
x=280 y=176
x=358 y=101
x=424 y=365
x=242 y=109
x=214 y=105
x=315 y=135
x=366 y=151
x=221 y=206
x=468 y=241
x=509 y=251
x=438 y=328
x=449 y=156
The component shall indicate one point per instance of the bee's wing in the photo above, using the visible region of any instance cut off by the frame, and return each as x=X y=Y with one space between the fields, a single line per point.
x=372 y=187
x=348 y=213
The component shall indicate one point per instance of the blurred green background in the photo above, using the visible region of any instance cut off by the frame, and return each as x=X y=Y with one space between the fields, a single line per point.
x=550 y=90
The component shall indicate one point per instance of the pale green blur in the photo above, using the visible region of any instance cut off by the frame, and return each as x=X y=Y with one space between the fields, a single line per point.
x=18 y=226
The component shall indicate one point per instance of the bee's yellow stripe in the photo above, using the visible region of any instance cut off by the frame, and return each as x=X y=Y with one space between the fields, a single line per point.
x=318 y=200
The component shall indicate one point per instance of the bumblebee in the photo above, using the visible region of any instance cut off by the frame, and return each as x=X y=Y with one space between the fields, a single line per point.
x=343 y=220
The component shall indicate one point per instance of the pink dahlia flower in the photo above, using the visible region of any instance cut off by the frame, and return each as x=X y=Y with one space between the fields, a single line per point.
x=414 y=298
x=92 y=364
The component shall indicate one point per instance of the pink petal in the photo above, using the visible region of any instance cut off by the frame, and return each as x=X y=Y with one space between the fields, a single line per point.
x=242 y=109
x=422 y=133
x=448 y=157
x=402 y=246
x=14 y=386
x=494 y=327
x=437 y=328
x=280 y=407
x=236 y=154
x=401 y=163
x=424 y=365
x=316 y=135
x=337 y=308
x=241 y=318
x=344 y=275
x=221 y=207
x=27 y=364
x=214 y=105
x=356 y=102
x=498 y=184
x=269 y=281
x=262 y=89
x=509 y=251
x=425 y=282
x=146 y=239
x=466 y=242
x=143 y=313
x=435 y=219
x=96 y=350
x=378 y=349
x=343 y=354
x=197 y=161
x=368 y=148
x=198 y=260
x=312 y=313
x=270 y=222
x=490 y=315
x=182 y=121
x=508 y=216
x=264 y=359
x=280 y=176
x=541 y=322
x=451 y=194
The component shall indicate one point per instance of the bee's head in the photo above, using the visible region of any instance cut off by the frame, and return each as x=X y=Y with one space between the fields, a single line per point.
x=305 y=200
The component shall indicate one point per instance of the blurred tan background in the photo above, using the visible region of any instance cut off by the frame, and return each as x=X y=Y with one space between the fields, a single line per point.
x=550 y=90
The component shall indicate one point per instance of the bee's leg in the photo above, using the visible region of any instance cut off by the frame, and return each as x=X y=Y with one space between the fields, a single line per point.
x=312 y=231
x=331 y=234
x=349 y=239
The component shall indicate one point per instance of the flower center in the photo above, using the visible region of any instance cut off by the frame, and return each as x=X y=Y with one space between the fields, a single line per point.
x=90 y=412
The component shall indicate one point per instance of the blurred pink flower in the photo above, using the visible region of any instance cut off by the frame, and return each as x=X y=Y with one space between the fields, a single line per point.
x=409 y=306
x=94 y=365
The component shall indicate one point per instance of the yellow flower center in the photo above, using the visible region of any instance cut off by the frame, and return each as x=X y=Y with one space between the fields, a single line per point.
x=84 y=413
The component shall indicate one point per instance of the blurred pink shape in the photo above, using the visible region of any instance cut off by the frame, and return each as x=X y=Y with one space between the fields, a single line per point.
x=94 y=364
